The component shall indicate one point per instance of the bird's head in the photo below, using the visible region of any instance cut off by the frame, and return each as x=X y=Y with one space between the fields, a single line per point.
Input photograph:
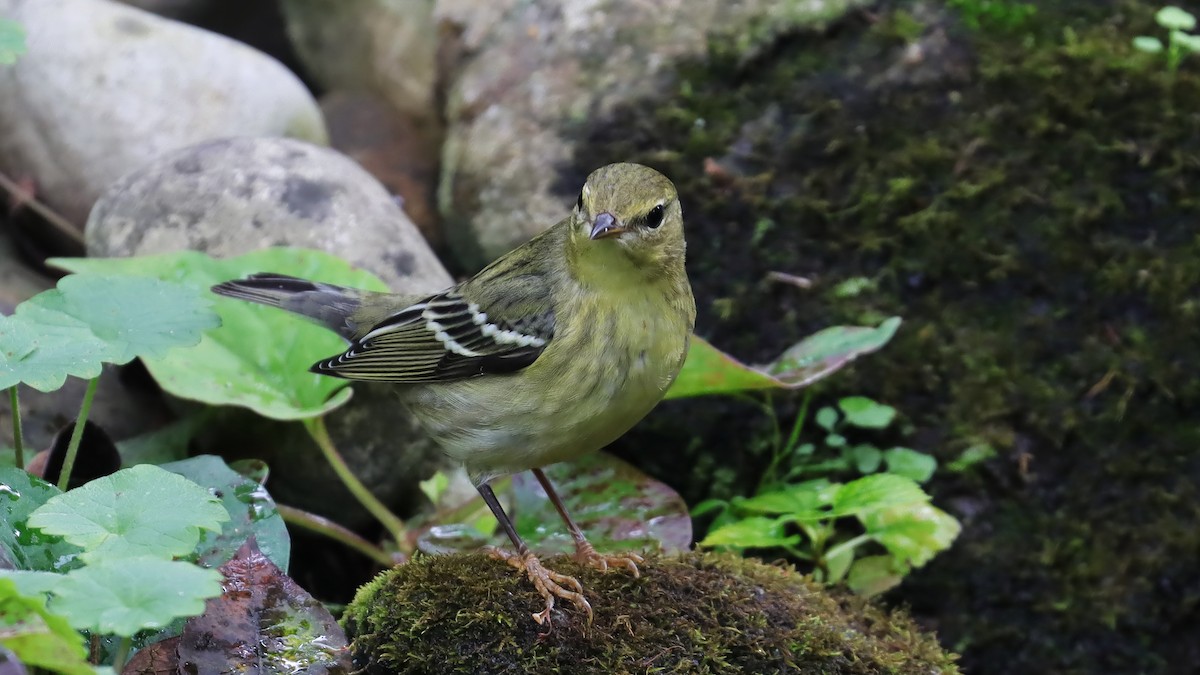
x=630 y=211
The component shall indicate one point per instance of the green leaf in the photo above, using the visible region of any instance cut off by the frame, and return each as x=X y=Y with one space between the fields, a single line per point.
x=1145 y=43
x=259 y=357
x=875 y=492
x=36 y=636
x=250 y=509
x=835 y=440
x=32 y=583
x=827 y=418
x=140 y=511
x=803 y=501
x=912 y=533
x=134 y=316
x=755 y=532
x=866 y=458
x=872 y=575
x=910 y=464
x=1174 y=18
x=12 y=41
x=43 y=355
x=973 y=455
x=126 y=595
x=23 y=545
x=708 y=506
x=708 y=370
x=1188 y=42
x=864 y=413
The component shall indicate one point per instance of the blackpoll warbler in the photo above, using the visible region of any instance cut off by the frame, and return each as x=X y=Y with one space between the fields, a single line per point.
x=552 y=351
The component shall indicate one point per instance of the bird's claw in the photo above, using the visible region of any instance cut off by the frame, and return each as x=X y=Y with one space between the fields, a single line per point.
x=549 y=584
x=585 y=554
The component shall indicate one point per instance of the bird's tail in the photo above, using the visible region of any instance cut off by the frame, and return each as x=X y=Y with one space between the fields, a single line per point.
x=335 y=307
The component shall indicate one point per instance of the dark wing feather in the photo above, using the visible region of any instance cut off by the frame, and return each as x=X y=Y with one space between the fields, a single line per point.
x=448 y=337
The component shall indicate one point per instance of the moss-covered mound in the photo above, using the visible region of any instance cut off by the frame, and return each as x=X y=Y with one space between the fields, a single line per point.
x=690 y=614
x=1026 y=194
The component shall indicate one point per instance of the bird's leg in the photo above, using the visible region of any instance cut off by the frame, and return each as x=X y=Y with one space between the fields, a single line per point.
x=548 y=582
x=585 y=553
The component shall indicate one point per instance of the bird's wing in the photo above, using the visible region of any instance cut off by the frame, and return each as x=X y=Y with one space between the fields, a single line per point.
x=472 y=329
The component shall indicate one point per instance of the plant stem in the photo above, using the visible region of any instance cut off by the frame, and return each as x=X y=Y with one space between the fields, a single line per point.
x=23 y=198
x=122 y=653
x=314 y=523
x=849 y=543
x=18 y=441
x=393 y=524
x=64 y=476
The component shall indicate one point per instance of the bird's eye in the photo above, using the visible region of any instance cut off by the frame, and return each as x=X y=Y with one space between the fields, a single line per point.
x=655 y=217
x=579 y=202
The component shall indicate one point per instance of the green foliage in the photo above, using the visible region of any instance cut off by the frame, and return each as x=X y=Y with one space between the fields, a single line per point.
x=259 y=357
x=123 y=596
x=997 y=15
x=36 y=636
x=12 y=41
x=1180 y=43
x=93 y=319
x=140 y=511
x=109 y=552
x=803 y=517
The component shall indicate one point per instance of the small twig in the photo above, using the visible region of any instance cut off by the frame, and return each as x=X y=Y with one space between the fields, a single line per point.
x=18 y=441
x=792 y=279
x=64 y=476
x=23 y=198
x=321 y=525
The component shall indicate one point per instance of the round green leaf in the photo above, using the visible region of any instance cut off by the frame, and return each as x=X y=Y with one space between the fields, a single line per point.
x=875 y=492
x=140 y=511
x=865 y=413
x=910 y=464
x=1145 y=43
x=1174 y=18
x=259 y=357
x=27 y=547
x=43 y=355
x=127 y=595
x=37 y=637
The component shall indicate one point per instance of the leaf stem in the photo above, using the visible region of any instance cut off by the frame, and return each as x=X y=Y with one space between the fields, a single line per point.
x=321 y=525
x=122 y=653
x=23 y=198
x=18 y=440
x=64 y=476
x=393 y=524
x=848 y=544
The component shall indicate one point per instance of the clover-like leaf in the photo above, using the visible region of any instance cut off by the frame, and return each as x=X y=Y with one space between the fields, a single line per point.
x=259 y=357
x=139 y=511
x=27 y=547
x=865 y=413
x=708 y=370
x=910 y=464
x=125 y=595
x=251 y=510
x=1147 y=44
x=12 y=41
x=1175 y=18
x=43 y=355
x=38 y=637
x=134 y=315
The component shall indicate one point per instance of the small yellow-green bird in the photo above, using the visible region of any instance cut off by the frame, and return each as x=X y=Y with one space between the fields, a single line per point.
x=551 y=352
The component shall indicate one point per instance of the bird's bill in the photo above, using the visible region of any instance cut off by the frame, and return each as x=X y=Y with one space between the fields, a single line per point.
x=606 y=225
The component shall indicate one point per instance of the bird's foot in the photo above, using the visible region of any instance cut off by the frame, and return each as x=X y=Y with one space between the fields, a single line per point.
x=549 y=583
x=585 y=554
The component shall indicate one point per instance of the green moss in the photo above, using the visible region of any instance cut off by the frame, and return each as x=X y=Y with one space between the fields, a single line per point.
x=690 y=614
x=1027 y=201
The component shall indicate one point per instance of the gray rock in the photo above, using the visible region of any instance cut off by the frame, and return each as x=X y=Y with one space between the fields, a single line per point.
x=525 y=78
x=104 y=88
x=231 y=196
x=383 y=46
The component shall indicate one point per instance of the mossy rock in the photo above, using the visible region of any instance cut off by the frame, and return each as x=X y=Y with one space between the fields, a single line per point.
x=694 y=613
